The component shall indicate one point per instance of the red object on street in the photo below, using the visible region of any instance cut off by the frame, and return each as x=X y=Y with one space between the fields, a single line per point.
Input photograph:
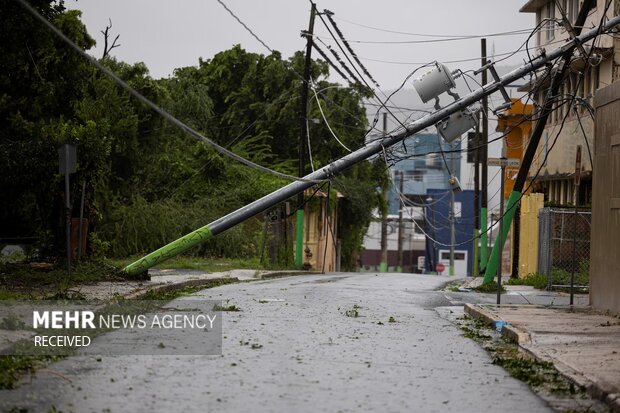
x=440 y=267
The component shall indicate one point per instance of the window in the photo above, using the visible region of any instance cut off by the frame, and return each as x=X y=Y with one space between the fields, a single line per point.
x=550 y=16
x=573 y=10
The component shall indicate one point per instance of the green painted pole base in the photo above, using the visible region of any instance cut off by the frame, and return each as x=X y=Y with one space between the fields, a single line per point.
x=299 y=239
x=383 y=267
x=484 y=240
x=399 y=269
x=168 y=251
x=498 y=246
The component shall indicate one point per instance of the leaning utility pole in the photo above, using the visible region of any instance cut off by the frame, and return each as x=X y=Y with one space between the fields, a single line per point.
x=566 y=52
x=484 y=251
x=303 y=136
x=370 y=149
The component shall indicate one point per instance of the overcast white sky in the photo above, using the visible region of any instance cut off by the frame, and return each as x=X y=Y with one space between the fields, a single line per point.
x=170 y=34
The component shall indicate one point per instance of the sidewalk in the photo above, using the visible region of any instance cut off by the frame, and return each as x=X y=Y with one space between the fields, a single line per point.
x=582 y=344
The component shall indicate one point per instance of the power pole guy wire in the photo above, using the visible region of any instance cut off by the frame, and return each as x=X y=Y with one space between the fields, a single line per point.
x=329 y=171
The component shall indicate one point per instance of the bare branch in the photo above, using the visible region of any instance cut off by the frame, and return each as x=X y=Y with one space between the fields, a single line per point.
x=106 y=34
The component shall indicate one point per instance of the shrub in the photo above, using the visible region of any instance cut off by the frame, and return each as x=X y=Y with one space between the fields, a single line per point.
x=535 y=279
x=142 y=226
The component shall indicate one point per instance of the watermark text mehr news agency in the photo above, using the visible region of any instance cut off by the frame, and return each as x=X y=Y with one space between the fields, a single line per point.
x=85 y=319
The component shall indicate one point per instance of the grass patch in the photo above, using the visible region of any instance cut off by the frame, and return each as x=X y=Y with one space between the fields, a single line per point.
x=536 y=280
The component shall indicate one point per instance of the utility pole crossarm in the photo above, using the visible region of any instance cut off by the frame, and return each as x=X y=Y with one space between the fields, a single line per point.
x=222 y=224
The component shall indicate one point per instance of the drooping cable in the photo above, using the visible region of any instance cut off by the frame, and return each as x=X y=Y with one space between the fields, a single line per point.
x=342 y=63
x=318 y=102
x=329 y=62
x=329 y=15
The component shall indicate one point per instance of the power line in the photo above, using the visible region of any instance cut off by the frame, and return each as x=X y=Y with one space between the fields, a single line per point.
x=473 y=36
x=439 y=40
x=244 y=25
x=329 y=62
x=329 y=15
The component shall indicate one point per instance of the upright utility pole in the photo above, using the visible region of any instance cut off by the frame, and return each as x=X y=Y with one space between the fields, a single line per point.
x=383 y=266
x=401 y=227
x=484 y=252
x=451 y=215
x=476 y=267
x=303 y=133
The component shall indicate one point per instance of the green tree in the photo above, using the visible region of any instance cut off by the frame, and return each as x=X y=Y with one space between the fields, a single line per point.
x=41 y=76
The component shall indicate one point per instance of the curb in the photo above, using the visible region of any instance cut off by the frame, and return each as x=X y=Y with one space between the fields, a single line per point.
x=523 y=339
x=136 y=295
x=283 y=274
x=206 y=281
x=509 y=331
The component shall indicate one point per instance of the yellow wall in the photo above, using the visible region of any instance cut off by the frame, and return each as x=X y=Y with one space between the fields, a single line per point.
x=517 y=130
x=528 y=234
x=318 y=235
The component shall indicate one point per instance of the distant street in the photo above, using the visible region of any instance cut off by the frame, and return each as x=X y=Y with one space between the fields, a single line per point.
x=339 y=342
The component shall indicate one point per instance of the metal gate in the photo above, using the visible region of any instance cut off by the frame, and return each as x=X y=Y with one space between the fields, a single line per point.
x=564 y=246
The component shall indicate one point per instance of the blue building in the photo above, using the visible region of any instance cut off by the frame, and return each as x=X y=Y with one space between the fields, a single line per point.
x=423 y=168
x=436 y=216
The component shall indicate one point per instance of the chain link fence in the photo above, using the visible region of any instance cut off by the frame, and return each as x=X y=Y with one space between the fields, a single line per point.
x=564 y=246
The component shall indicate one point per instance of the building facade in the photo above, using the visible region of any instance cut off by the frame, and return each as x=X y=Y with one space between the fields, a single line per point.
x=594 y=65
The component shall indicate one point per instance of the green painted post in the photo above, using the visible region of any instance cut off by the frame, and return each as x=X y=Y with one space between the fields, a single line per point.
x=383 y=266
x=498 y=246
x=484 y=240
x=168 y=251
x=299 y=239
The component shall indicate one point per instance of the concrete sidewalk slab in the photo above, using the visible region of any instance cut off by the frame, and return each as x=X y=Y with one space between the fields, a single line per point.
x=582 y=344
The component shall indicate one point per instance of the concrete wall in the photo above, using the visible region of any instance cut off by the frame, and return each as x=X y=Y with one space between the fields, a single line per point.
x=605 y=238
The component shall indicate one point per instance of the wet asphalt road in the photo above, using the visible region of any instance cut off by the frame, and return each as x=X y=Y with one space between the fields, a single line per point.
x=308 y=356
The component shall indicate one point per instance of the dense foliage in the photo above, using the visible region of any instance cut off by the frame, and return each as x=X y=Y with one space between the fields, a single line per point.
x=147 y=181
